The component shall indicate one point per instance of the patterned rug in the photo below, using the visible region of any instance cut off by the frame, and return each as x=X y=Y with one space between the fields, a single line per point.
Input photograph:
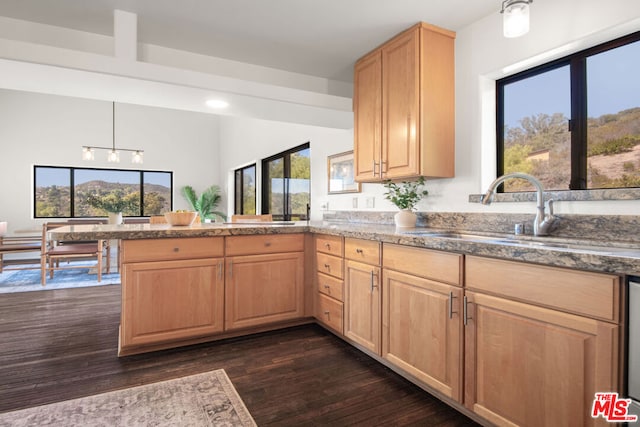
x=207 y=399
x=29 y=280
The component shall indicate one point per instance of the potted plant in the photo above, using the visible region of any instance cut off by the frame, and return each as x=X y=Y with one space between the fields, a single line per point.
x=206 y=203
x=113 y=203
x=405 y=196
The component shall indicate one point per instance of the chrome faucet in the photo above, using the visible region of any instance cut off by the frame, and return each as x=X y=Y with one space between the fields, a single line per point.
x=543 y=221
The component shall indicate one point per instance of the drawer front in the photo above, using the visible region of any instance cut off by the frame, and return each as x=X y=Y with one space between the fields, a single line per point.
x=264 y=244
x=330 y=312
x=591 y=294
x=330 y=265
x=331 y=245
x=435 y=265
x=330 y=286
x=171 y=249
x=367 y=251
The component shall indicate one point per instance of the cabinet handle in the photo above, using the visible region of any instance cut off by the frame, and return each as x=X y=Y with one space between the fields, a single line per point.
x=465 y=315
x=382 y=168
x=451 y=312
x=328 y=246
x=267 y=244
x=373 y=284
x=326 y=313
x=176 y=249
x=358 y=250
x=374 y=169
x=327 y=266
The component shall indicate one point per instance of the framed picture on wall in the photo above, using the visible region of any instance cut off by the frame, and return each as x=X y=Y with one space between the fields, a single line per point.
x=341 y=174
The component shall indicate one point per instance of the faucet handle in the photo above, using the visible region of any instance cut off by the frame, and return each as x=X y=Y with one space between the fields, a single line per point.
x=550 y=204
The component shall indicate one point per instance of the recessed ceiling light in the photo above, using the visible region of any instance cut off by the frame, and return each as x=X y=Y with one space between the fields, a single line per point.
x=217 y=103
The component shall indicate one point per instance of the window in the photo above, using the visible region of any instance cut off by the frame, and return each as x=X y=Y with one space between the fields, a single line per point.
x=62 y=192
x=245 y=190
x=286 y=184
x=573 y=123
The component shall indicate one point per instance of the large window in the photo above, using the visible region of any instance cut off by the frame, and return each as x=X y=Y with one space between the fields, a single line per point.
x=286 y=184
x=245 y=190
x=66 y=192
x=574 y=123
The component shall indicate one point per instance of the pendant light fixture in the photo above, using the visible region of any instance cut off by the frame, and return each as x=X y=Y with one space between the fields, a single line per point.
x=88 y=152
x=515 y=17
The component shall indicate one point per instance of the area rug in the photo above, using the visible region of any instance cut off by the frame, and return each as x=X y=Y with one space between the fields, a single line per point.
x=29 y=280
x=207 y=399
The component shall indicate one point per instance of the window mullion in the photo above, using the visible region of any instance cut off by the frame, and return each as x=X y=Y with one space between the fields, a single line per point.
x=578 y=124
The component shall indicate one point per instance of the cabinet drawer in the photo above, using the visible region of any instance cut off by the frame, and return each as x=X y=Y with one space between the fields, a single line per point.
x=591 y=294
x=330 y=312
x=330 y=286
x=367 y=251
x=436 y=265
x=329 y=264
x=331 y=245
x=264 y=244
x=171 y=249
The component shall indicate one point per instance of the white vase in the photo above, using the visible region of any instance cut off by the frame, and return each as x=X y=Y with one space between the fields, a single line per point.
x=406 y=218
x=115 y=218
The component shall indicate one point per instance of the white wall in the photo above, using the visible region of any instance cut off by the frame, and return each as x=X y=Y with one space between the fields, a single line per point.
x=50 y=130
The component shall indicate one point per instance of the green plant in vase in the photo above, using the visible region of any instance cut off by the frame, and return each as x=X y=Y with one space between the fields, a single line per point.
x=405 y=196
x=206 y=203
x=114 y=204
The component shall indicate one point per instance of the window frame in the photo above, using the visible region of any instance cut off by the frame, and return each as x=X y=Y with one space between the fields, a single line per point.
x=578 y=120
x=72 y=184
x=240 y=172
x=286 y=156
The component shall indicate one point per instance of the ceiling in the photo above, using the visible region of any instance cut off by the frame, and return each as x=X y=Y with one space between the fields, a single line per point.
x=316 y=37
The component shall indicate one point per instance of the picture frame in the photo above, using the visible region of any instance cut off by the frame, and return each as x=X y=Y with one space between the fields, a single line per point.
x=341 y=174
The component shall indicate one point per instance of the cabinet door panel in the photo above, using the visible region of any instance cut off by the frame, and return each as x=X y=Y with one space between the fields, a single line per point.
x=532 y=366
x=401 y=106
x=170 y=300
x=367 y=113
x=419 y=334
x=363 y=305
x=263 y=289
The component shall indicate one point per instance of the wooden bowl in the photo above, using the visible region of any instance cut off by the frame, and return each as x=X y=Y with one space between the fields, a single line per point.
x=180 y=218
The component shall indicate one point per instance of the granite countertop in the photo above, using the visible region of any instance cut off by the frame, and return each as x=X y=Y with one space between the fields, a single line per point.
x=580 y=254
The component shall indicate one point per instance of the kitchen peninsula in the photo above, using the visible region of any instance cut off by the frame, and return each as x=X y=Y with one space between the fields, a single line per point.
x=441 y=307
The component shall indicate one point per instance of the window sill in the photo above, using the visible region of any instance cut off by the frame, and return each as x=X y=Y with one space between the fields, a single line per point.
x=568 y=195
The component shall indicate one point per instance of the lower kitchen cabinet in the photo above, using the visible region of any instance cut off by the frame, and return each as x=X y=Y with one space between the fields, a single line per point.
x=422 y=330
x=165 y=301
x=263 y=289
x=532 y=366
x=363 y=305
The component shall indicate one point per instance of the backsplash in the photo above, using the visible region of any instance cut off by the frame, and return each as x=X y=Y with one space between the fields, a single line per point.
x=619 y=228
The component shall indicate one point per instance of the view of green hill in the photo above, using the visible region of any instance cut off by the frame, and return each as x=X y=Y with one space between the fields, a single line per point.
x=55 y=201
x=541 y=146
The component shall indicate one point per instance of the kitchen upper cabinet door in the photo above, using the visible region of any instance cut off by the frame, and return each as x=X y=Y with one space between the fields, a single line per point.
x=422 y=330
x=401 y=106
x=531 y=366
x=171 y=300
x=367 y=110
x=362 y=304
x=262 y=289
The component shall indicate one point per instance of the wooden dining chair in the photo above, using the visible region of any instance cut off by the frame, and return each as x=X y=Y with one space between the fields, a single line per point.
x=16 y=244
x=54 y=251
x=252 y=218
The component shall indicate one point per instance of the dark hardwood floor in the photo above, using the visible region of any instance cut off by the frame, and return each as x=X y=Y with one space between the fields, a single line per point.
x=58 y=345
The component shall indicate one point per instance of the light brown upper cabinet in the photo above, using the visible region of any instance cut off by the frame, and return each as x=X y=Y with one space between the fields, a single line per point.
x=404 y=107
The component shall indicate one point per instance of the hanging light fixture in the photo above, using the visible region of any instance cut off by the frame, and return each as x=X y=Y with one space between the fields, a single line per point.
x=88 y=152
x=515 y=17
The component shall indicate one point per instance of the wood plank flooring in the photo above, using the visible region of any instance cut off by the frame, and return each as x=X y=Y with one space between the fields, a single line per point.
x=58 y=345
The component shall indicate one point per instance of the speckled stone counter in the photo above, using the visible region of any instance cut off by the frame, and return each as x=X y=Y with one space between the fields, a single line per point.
x=590 y=255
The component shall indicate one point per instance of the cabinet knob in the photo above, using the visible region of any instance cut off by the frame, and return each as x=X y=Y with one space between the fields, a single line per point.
x=327 y=266
x=267 y=244
x=176 y=249
x=328 y=245
x=359 y=251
